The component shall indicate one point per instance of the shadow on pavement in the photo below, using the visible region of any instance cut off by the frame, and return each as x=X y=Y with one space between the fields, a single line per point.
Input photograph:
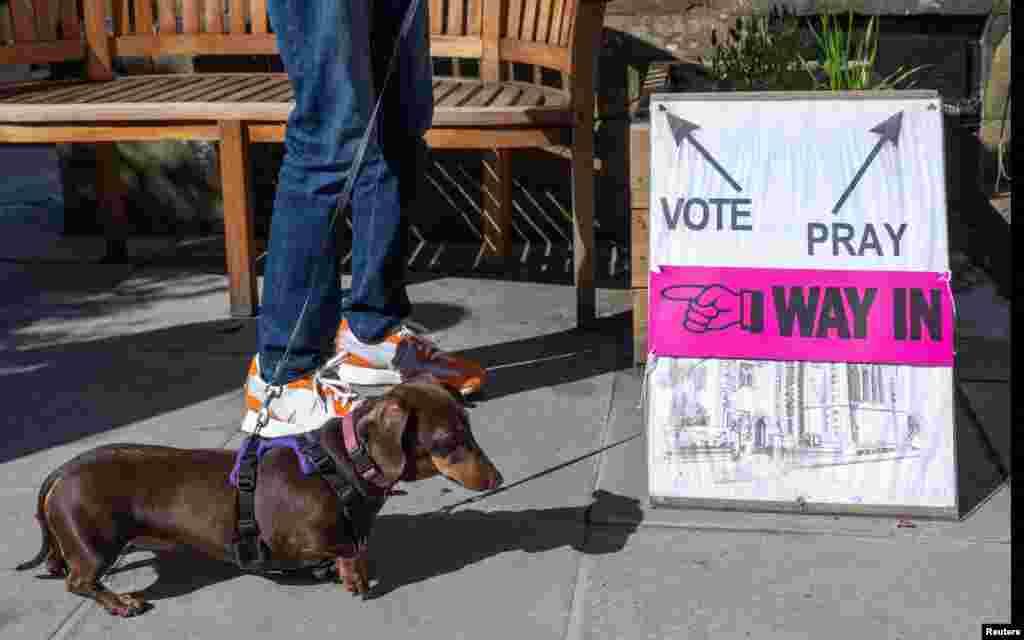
x=555 y=359
x=71 y=392
x=445 y=543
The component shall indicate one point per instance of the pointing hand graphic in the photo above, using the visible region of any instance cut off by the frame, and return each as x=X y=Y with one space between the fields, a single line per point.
x=715 y=307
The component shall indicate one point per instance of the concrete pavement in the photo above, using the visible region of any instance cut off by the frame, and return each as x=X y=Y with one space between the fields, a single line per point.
x=97 y=353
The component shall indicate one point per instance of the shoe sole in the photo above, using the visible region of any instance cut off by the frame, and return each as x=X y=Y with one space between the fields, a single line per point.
x=375 y=377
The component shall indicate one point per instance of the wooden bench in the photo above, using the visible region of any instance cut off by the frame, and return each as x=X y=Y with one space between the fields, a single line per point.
x=494 y=111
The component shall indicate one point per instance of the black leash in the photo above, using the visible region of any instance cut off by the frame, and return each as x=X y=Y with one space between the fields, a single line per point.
x=248 y=551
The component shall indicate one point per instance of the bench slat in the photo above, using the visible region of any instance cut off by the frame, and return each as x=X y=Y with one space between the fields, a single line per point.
x=513 y=22
x=238 y=16
x=44 y=94
x=22 y=16
x=46 y=26
x=6 y=26
x=266 y=91
x=195 y=44
x=557 y=15
x=528 y=30
x=121 y=14
x=462 y=102
x=543 y=21
x=474 y=15
x=567 y=22
x=190 y=16
x=42 y=52
x=193 y=86
x=223 y=92
x=165 y=12
x=144 y=23
x=436 y=22
x=142 y=93
x=71 y=25
x=249 y=92
x=456 y=17
x=259 y=16
x=445 y=46
x=485 y=96
x=87 y=93
x=443 y=89
x=214 y=11
x=508 y=97
x=284 y=94
x=531 y=97
x=463 y=92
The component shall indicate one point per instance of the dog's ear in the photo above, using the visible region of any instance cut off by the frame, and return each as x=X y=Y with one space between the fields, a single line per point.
x=385 y=423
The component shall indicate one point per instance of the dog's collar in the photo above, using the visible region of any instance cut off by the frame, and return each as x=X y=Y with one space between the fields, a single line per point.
x=359 y=454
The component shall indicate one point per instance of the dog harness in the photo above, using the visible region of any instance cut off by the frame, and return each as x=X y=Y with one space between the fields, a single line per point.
x=355 y=479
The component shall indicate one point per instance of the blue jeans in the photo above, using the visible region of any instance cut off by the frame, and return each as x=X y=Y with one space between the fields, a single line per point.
x=334 y=63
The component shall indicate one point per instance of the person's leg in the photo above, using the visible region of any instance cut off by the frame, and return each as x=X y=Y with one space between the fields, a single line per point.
x=380 y=211
x=376 y=346
x=324 y=47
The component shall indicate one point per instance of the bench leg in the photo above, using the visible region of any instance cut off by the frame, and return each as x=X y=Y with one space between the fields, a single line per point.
x=583 y=225
x=239 y=236
x=497 y=203
x=111 y=202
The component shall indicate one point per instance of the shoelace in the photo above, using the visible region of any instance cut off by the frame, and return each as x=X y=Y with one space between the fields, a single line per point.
x=322 y=381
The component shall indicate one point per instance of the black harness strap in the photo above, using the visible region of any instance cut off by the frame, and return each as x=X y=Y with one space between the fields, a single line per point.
x=248 y=551
x=358 y=506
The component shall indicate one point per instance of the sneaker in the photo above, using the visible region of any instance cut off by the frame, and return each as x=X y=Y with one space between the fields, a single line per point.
x=303 y=405
x=400 y=356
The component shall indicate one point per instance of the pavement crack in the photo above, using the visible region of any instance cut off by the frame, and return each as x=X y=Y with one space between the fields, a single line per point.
x=71 y=620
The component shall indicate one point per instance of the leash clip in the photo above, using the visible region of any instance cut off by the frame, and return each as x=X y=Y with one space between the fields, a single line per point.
x=263 y=417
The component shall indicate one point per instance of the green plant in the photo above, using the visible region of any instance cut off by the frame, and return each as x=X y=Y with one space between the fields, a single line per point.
x=760 y=54
x=849 y=66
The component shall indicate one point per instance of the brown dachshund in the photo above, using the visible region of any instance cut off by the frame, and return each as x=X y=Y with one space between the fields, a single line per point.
x=94 y=505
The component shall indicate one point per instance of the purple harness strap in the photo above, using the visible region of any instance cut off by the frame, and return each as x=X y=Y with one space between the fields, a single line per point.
x=265 y=445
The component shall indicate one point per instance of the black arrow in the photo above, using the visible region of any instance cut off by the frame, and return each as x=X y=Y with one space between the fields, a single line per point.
x=682 y=130
x=889 y=130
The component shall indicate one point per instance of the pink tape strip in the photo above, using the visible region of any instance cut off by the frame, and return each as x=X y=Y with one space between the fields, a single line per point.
x=886 y=317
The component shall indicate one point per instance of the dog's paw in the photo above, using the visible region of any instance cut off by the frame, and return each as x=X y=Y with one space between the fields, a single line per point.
x=128 y=605
x=354 y=575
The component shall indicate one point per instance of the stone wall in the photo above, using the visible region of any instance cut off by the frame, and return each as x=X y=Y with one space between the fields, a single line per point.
x=681 y=29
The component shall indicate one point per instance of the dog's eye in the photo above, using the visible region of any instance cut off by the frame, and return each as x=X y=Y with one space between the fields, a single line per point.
x=442 y=451
x=444 y=447
x=449 y=443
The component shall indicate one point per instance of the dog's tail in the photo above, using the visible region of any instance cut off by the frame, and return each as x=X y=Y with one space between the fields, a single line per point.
x=41 y=518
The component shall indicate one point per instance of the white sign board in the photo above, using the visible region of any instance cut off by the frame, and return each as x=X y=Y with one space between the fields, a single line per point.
x=845 y=191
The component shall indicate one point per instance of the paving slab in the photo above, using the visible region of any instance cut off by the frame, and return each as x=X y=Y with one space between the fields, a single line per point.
x=544 y=443
x=470 y=575
x=623 y=472
x=140 y=300
x=723 y=584
x=207 y=424
x=30 y=607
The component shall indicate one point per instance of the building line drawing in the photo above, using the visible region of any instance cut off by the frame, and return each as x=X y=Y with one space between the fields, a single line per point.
x=796 y=411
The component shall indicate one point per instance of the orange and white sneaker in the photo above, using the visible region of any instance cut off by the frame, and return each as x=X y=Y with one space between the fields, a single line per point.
x=400 y=356
x=301 y=405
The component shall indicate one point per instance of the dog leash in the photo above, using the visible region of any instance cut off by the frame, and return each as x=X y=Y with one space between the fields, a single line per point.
x=346 y=194
x=248 y=551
